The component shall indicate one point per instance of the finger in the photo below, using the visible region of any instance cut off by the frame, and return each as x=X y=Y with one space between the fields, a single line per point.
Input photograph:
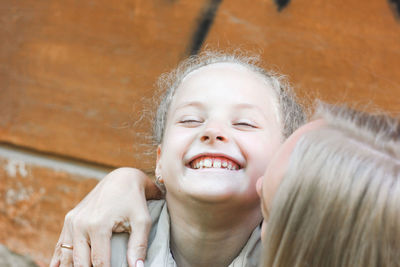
x=81 y=252
x=66 y=259
x=137 y=245
x=55 y=260
x=64 y=255
x=100 y=248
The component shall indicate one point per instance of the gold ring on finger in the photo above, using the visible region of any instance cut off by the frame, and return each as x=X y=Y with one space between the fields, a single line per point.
x=63 y=245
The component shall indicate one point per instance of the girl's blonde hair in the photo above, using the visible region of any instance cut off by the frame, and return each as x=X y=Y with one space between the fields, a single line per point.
x=290 y=113
x=339 y=201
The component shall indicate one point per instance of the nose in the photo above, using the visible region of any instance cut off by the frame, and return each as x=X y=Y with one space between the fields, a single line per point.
x=213 y=133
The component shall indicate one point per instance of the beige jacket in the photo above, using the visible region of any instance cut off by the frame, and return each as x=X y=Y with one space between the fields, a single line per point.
x=158 y=252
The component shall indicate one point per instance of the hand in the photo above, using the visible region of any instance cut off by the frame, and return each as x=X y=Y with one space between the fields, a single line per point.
x=116 y=204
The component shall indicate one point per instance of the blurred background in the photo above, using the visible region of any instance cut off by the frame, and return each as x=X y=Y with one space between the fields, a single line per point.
x=77 y=76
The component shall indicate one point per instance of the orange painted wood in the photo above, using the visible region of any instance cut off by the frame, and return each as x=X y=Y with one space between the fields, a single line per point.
x=337 y=50
x=75 y=77
x=33 y=203
x=73 y=74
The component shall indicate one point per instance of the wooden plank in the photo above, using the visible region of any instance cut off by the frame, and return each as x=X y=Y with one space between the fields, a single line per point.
x=335 y=50
x=76 y=76
x=33 y=202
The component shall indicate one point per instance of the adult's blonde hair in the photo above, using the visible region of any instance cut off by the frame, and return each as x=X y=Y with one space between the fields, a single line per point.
x=339 y=201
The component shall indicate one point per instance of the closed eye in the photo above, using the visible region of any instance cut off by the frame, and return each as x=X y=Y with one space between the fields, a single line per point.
x=245 y=124
x=190 y=122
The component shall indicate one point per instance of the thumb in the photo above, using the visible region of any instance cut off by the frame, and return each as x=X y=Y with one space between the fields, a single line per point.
x=137 y=244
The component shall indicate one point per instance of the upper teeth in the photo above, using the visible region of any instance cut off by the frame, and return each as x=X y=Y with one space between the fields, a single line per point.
x=213 y=162
x=217 y=164
x=207 y=163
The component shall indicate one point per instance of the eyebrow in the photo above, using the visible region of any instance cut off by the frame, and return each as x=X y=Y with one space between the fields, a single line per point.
x=248 y=106
x=201 y=105
x=190 y=104
x=252 y=107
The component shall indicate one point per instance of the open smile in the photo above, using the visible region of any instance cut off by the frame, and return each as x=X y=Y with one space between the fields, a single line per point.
x=220 y=162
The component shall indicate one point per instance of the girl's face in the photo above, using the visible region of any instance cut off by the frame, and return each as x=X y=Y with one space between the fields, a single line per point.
x=222 y=129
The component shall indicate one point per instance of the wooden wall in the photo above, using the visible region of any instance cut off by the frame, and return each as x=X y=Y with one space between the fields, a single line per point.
x=76 y=80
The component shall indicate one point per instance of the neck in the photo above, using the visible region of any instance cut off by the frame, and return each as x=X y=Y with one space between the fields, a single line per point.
x=210 y=234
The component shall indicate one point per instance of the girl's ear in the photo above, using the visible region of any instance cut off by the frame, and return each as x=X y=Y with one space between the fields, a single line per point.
x=158 y=162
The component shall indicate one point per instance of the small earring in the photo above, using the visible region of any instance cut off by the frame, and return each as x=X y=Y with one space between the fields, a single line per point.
x=159 y=179
x=160 y=184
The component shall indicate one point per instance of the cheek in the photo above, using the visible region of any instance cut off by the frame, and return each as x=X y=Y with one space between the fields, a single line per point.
x=272 y=179
x=259 y=151
x=176 y=140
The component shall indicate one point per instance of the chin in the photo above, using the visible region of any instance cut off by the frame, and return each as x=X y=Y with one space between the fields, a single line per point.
x=214 y=188
x=212 y=196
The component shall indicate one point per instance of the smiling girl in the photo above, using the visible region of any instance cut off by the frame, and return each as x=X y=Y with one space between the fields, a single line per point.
x=218 y=125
